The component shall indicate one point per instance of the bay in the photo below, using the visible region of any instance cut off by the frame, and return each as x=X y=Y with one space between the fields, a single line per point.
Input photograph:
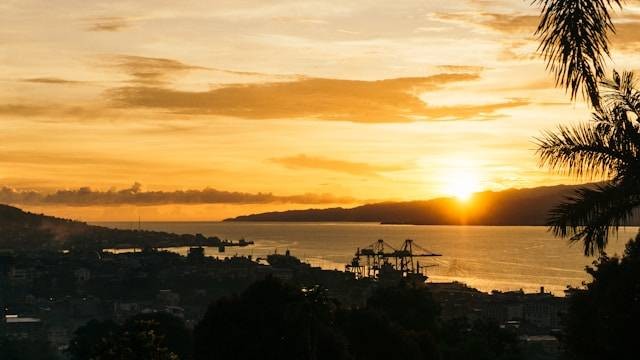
x=485 y=257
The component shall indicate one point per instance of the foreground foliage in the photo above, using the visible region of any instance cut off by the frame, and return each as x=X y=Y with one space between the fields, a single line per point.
x=608 y=146
x=26 y=349
x=272 y=320
x=574 y=40
x=157 y=336
x=603 y=319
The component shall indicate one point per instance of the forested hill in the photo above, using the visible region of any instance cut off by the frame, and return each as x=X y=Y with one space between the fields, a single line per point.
x=21 y=230
x=509 y=207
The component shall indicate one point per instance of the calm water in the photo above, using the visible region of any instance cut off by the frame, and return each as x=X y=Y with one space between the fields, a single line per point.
x=485 y=257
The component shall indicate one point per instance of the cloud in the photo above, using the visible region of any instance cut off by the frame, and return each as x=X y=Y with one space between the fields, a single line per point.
x=462 y=68
x=382 y=101
x=53 y=112
x=396 y=100
x=349 y=167
x=148 y=70
x=151 y=71
x=480 y=112
x=517 y=30
x=627 y=30
x=107 y=24
x=22 y=110
x=626 y=36
x=511 y=23
x=500 y=22
x=50 y=80
x=12 y=157
x=134 y=195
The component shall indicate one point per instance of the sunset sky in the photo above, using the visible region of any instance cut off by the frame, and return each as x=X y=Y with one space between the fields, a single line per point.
x=200 y=110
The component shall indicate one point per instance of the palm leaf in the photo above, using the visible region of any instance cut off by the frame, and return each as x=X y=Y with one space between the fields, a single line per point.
x=583 y=150
x=574 y=40
x=591 y=214
x=620 y=92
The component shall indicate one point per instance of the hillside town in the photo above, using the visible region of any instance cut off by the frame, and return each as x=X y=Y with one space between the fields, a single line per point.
x=48 y=295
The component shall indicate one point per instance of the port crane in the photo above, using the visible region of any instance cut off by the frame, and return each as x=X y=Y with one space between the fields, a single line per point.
x=380 y=258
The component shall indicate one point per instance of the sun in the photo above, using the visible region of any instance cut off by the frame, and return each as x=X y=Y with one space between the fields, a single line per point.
x=462 y=183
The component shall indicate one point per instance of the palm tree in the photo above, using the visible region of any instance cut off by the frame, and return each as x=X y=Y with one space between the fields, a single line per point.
x=574 y=40
x=607 y=147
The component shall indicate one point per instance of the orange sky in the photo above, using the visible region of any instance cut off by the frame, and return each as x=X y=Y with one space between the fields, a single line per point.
x=220 y=108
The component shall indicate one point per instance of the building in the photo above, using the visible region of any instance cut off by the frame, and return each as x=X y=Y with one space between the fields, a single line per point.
x=23 y=327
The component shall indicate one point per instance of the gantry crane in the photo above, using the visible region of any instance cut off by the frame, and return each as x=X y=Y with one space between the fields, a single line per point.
x=380 y=256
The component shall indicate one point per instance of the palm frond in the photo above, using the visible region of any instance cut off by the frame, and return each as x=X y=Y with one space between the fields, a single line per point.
x=574 y=40
x=591 y=214
x=583 y=150
x=620 y=92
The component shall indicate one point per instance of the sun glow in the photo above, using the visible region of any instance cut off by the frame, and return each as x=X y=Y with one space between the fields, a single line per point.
x=462 y=183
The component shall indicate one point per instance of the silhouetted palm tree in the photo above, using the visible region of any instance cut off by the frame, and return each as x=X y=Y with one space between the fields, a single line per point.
x=574 y=39
x=608 y=147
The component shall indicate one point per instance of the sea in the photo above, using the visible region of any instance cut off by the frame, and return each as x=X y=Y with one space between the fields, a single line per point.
x=488 y=258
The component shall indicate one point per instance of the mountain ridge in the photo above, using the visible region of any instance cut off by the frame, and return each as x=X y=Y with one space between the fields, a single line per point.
x=525 y=206
x=20 y=230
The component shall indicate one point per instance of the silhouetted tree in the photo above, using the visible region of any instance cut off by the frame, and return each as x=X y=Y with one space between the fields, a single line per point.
x=91 y=339
x=157 y=336
x=143 y=342
x=411 y=307
x=372 y=336
x=272 y=320
x=574 y=39
x=608 y=146
x=175 y=335
x=26 y=349
x=478 y=340
x=603 y=319
x=269 y=320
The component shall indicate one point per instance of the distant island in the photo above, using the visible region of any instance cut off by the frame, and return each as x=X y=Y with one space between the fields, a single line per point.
x=509 y=207
x=21 y=230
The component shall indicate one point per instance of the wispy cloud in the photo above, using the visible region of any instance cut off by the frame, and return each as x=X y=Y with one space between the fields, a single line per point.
x=512 y=23
x=107 y=23
x=85 y=196
x=382 y=101
x=349 y=167
x=50 y=80
x=627 y=30
x=22 y=110
x=58 y=112
x=461 y=68
x=149 y=70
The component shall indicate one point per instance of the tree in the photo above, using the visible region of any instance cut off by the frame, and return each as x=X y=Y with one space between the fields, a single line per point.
x=270 y=320
x=90 y=339
x=175 y=335
x=373 y=336
x=157 y=336
x=608 y=146
x=412 y=307
x=603 y=318
x=142 y=343
x=26 y=349
x=574 y=39
x=479 y=340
